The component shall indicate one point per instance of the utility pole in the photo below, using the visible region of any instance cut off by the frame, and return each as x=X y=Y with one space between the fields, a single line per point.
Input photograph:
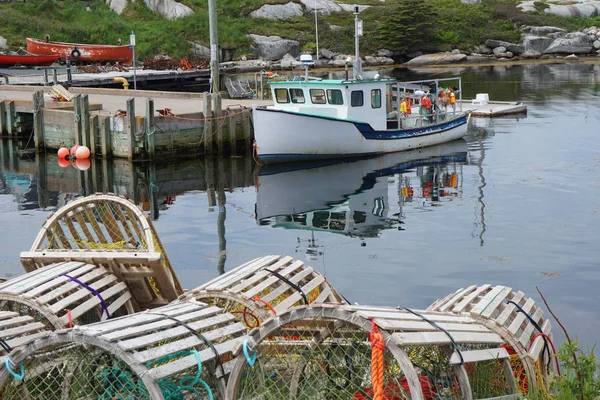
x=132 y=43
x=358 y=32
x=316 y=30
x=214 y=46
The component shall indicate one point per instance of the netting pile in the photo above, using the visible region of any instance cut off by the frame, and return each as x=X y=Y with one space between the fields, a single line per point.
x=175 y=352
x=66 y=294
x=266 y=287
x=518 y=320
x=353 y=352
x=110 y=231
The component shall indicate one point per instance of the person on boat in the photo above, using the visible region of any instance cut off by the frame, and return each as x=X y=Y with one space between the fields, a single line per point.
x=404 y=109
x=425 y=109
x=444 y=100
x=452 y=98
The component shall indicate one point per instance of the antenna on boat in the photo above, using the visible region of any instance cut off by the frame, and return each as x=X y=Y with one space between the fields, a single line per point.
x=306 y=60
x=358 y=32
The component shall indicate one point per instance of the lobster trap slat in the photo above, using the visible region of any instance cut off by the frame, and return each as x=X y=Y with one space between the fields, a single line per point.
x=514 y=317
x=68 y=293
x=331 y=351
x=111 y=231
x=16 y=330
x=265 y=287
x=171 y=352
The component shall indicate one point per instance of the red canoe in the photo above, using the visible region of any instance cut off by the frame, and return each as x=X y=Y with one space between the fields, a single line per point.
x=27 y=60
x=82 y=52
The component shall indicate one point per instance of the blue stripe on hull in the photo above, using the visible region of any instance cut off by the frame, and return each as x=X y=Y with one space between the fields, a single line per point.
x=369 y=133
x=275 y=158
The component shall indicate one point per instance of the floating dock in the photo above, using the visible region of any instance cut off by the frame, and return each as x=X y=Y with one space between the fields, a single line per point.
x=493 y=109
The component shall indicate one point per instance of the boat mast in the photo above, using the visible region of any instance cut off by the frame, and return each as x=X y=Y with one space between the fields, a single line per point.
x=358 y=32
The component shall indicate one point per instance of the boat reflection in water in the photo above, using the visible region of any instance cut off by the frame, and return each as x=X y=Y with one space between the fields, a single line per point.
x=351 y=198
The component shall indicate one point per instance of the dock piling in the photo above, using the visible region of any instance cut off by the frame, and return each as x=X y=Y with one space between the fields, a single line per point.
x=131 y=124
x=54 y=76
x=218 y=112
x=247 y=129
x=77 y=128
x=85 y=120
x=208 y=131
x=38 y=119
x=94 y=129
x=105 y=137
x=231 y=125
x=2 y=117
x=10 y=117
x=150 y=127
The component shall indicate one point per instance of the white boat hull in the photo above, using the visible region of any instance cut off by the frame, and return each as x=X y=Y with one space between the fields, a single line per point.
x=288 y=136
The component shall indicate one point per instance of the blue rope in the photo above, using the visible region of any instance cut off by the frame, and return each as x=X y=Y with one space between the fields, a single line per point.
x=172 y=390
x=249 y=360
x=93 y=291
x=20 y=376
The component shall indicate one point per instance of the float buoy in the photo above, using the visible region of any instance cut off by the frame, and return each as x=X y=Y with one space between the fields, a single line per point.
x=63 y=152
x=83 y=164
x=75 y=54
x=63 y=162
x=82 y=152
x=74 y=150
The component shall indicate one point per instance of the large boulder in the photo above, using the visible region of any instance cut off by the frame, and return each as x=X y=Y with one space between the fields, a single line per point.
x=117 y=6
x=170 y=9
x=3 y=43
x=571 y=43
x=288 y=61
x=322 y=7
x=536 y=43
x=596 y=44
x=540 y=30
x=513 y=48
x=531 y=54
x=274 y=47
x=482 y=49
x=326 y=53
x=278 y=11
x=371 y=60
x=584 y=10
x=438 y=58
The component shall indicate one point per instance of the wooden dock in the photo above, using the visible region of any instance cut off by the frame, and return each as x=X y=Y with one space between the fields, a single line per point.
x=493 y=108
x=137 y=125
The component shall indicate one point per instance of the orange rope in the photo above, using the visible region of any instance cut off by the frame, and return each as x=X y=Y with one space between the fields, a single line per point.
x=246 y=313
x=551 y=344
x=70 y=318
x=377 y=349
x=266 y=303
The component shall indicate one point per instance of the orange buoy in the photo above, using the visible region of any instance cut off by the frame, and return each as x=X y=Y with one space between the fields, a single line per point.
x=83 y=164
x=74 y=150
x=63 y=162
x=82 y=152
x=63 y=152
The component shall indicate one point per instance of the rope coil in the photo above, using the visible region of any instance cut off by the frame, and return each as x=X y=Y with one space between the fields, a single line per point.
x=377 y=350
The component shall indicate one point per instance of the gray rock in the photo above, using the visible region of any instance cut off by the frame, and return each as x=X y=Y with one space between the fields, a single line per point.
x=170 y=9
x=540 y=30
x=323 y=7
x=499 y=50
x=572 y=10
x=571 y=43
x=536 y=43
x=117 y=6
x=557 y=35
x=482 y=49
x=328 y=54
x=527 y=6
x=278 y=11
x=3 y=43
x=471 y=1
x=370 y=60
x=384 y=61
x=572 y=57
x=438 y=58
x=515 y=48
x=546 y=57
x=596 y=44
x=200 y=51
x=385 y=53
x=456 y=51
x=531 y=54
x=476 y=58
x=506 y=54
x=288 y=61
x=274 y=47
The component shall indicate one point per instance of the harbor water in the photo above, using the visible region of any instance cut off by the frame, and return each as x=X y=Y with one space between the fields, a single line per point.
x=516 y=203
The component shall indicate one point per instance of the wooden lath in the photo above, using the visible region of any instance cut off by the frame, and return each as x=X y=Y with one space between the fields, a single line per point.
x=60 y=93
x=266 y=286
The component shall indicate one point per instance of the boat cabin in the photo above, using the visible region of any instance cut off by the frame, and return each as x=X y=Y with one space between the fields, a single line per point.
x=353 y=100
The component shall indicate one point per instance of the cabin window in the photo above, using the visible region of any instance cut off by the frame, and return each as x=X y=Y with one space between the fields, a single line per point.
x=297 y=96
x=357 y=98
x=335 y=96
x=376 y=98
x=317 y=96
x=282 y=96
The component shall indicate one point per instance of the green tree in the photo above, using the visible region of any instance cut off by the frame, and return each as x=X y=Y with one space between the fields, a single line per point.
x=405 y=25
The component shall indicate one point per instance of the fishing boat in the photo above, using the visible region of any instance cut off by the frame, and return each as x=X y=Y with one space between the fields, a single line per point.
x=27 y=60
x=82 y=52
x=320 y=119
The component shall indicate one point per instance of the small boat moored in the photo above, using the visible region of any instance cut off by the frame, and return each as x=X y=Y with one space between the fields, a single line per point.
x=320 y=119
x=82 y=52
x=27 y=60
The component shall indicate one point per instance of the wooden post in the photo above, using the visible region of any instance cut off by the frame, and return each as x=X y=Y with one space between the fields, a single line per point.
x=10 y=117
x=218 y=112
x=54 y=76
x=131 y=125
x=208 y=133
x=85 y=120
x=247 y=124
x=105 y=137
x=2 y=117
x=38 y=119
x=77 y=120
x=150 y=130
x=94 y=129
x=231 y=125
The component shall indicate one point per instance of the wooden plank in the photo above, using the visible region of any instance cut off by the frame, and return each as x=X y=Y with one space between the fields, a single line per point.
x=525 y=338
x=284 y=287
x=56 y=283
x=29 y=275
x=22 y=340
x=436 y=317
x=95 y=301
x=15 y=321
x=269 y=281
x=92 y=218
x=467 y=300
x=164 y=281
x=296 y=296
x=324 y=295
x=98 y=257
x=486 y=300
x=450 y=303
x=82 y=224
x=84 y=274
x=479 y=355
x=63 y=303
x=259 y=275
x=403 y=325
x=21 y=330
x=520 y=318
x=42 y=278
x=239 y=273
x=437 y=338
x=495 y=303
x=538 y=344
x=60 y=234
x=509 y=309
x=118 y=303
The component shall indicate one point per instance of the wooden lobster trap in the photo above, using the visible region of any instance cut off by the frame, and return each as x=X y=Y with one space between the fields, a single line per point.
x=113 y=232
x=16 y=330
x=265 y=287
x=179 y=351
x=358 y=353
x=63 y=294
x=517 y=319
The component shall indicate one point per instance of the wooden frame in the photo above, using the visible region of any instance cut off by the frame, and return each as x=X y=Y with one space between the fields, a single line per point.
x=111 y=231
x=65 y=293
x=256 y=288
x=17 y=330
x=494 y=307
x=401 y=330
x=140 y=339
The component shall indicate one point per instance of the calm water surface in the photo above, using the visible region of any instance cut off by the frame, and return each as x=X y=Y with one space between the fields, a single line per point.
x=517 y=203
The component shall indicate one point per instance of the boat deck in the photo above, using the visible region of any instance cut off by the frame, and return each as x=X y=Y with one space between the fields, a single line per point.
x=493 y=108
